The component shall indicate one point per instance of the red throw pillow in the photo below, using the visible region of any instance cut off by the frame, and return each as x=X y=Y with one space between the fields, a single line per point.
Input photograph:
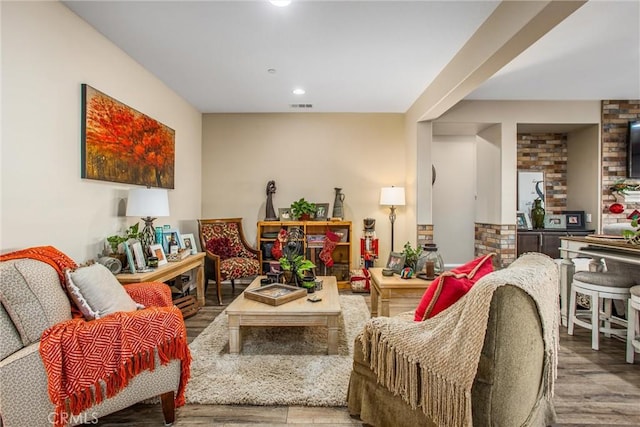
x=450 y=286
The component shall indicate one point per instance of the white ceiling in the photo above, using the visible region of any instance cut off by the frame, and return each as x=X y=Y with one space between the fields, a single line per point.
x=360 y=56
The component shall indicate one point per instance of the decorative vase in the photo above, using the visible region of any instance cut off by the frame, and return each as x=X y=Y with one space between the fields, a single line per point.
x=537 y=214
x=433 y=263
x=338 y=204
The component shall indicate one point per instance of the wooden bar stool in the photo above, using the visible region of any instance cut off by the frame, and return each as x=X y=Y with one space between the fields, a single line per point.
x=633 y=312
x=603 y=289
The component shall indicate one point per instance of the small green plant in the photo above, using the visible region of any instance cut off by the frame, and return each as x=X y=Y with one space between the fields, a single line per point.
x=633 y=236
x=302 y=207
x=130 y=233
x=411 y=255
x=298 y=265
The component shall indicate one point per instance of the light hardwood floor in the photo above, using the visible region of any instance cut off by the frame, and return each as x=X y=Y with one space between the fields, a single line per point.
x=594 y=388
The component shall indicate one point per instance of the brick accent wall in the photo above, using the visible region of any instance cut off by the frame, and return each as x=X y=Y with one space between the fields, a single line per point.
x=546 y=153
x=616 y=114
x=498 y=238
x=425 y=234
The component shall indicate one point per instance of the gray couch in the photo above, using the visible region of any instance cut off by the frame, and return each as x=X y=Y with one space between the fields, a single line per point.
x=38 y=302
x=507 y=386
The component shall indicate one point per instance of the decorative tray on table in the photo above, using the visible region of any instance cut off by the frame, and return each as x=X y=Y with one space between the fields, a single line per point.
x=275 y=294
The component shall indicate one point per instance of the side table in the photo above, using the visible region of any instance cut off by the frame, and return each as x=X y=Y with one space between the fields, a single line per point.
x=394 y=294
x=172 y=270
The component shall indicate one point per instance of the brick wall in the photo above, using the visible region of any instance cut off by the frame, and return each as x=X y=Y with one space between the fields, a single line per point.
x=425 y=234
x=616 y=114
x=546 y=153
x=497 y=238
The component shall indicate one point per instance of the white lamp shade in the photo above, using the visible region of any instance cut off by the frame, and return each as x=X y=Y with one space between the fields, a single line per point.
x=152 y=202
x=392 y=196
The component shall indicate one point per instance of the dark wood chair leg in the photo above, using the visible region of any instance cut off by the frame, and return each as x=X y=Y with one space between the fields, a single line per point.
x=219 y=290
x=168 y=407
x=233 y=287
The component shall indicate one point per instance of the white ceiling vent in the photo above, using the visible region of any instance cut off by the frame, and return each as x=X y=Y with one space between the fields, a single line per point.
x=301 y=106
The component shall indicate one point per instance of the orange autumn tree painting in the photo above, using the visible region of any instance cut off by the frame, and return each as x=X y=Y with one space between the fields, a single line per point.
x=121 y=144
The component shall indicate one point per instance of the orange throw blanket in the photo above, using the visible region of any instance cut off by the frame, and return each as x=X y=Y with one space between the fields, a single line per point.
x=79 y=355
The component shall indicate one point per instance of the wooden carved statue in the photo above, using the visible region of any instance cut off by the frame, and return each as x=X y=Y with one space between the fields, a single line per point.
x=270 y=212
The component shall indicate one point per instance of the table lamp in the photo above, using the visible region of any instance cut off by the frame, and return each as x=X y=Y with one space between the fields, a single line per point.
x=147 y=203
x=392 y=197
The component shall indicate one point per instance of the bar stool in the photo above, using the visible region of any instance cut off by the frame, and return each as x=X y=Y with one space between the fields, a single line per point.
x=602 y=288
x=633 y=312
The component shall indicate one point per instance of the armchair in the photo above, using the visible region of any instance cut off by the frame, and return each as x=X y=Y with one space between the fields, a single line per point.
x=229 y=255
x=35 y=306
x=509 y=379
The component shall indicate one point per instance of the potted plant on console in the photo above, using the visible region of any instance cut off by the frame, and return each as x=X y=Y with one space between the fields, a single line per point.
x=302 y=210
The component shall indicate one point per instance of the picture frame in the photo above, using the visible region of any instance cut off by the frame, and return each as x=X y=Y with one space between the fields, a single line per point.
x=396 y=261
x=187 y=241
x=138 y=255
x=167 y=234
x=523 y=221
x=531 y=186
x=135 y=162
x=284 y=214
x=129 y=254
x=343 y=232
x=322 y=211
x=158 y=252
x=552 y=221
x=574 y=219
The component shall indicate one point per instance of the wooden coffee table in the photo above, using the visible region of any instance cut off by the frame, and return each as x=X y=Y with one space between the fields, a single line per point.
x=300 y=312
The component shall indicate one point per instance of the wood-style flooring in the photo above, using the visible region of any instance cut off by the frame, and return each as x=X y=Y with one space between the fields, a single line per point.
x=594 y=388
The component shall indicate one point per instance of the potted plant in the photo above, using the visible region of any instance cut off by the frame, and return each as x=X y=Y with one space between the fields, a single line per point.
x=297 y=267
x=411 y=255
x=302 y=210
x=115 y=240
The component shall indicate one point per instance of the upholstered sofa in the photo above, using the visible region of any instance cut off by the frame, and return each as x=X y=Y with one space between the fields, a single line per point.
x=33 y=300
x=509 y=386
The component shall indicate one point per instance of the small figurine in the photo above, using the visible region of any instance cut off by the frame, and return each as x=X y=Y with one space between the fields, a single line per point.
x=270 y=212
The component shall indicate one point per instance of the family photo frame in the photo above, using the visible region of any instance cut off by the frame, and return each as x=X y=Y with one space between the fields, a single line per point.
x=396 y=261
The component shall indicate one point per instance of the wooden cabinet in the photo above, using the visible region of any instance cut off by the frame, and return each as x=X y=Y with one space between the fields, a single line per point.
x=545 y=241
x=313 y=232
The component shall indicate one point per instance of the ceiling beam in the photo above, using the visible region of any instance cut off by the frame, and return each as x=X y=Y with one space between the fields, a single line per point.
x=511 y=28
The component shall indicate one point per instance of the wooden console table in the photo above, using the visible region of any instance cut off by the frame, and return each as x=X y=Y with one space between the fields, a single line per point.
x=394 y=293
x=172 y=270
x=597 y=249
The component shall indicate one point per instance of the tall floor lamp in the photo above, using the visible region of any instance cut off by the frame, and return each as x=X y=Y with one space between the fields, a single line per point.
x=148 y=203
x=392 y=197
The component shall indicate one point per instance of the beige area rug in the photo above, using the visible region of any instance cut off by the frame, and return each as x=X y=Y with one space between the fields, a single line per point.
x=278 y=365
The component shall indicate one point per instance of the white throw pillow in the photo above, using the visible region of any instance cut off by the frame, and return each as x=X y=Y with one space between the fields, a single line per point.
x=97 y=292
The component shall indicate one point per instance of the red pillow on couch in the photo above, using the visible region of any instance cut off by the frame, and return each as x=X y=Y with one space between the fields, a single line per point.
x=450 y=286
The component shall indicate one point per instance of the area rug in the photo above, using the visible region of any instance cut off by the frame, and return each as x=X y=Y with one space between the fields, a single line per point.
x=277 y=365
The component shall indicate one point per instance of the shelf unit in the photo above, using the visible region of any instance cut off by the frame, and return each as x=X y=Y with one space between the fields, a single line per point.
x=314 y=232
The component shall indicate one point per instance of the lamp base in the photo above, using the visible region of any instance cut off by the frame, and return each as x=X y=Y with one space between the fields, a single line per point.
x=148 y=236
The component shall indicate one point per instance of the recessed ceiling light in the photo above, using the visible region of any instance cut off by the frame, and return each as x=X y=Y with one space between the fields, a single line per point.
x=280 y=3
x=299 y=91
x=271 y=70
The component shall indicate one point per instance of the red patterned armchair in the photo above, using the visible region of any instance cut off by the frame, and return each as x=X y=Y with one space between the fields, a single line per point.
x=229 y=256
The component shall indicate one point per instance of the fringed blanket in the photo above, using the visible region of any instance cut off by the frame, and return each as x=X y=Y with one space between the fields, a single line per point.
x=432 y=364
x=78 y=355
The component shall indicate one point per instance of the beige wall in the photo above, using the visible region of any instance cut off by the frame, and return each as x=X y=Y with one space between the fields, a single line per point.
x=307 y=155
x=47 y=52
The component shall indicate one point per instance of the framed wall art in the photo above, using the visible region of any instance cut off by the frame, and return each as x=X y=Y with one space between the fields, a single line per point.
x=523 y=221
x=187 y=241
x=157 y=251
x=574 y=219
x=322 y=210
x=530 y=187
x=120 y=144
x=284 y=214
x=555 y=221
